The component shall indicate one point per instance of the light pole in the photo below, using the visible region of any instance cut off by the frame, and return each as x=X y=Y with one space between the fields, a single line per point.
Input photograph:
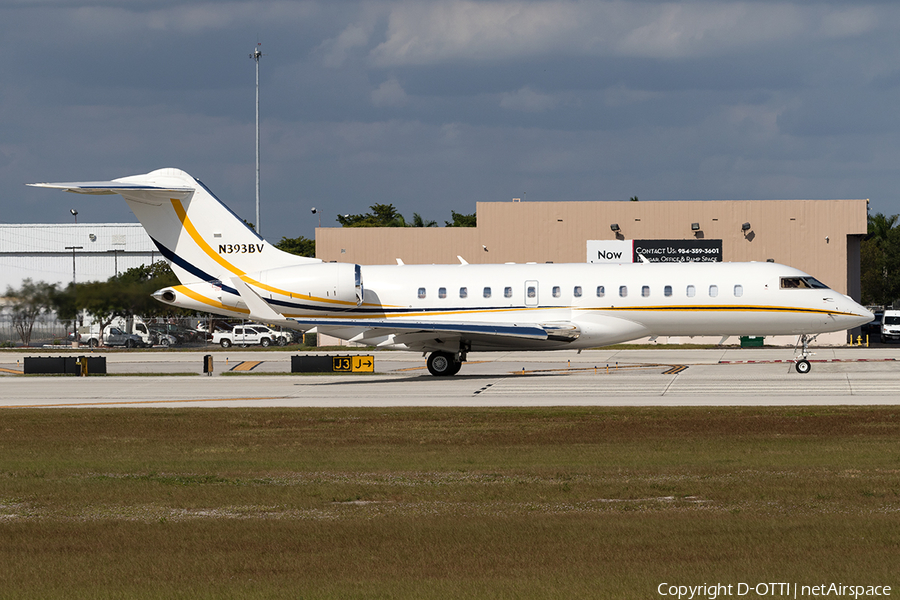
x=74 y=214
x=257 y=53
x=73 y=249
x=316 y=212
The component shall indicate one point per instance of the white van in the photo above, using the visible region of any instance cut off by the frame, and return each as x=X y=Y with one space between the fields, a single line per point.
x=890 y=326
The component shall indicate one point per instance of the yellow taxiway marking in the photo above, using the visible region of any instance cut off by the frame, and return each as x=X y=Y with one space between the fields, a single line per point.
x=121 y=402
x=247 y=365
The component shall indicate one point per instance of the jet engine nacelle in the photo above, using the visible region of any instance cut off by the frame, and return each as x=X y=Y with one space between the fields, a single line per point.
x=335 y=284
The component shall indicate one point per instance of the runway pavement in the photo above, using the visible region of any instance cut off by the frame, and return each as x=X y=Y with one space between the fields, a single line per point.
x=721 y=377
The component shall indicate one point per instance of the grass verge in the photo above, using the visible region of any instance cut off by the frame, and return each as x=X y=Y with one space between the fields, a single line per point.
x=436 y=503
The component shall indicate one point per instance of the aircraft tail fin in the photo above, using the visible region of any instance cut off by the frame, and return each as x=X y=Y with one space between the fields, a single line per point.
x=201 y=238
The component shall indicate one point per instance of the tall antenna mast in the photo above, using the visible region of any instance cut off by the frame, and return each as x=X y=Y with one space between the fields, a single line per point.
x=255 y=56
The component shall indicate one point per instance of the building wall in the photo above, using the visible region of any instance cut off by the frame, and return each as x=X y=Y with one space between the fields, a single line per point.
x=816 y=236
x=39 y=252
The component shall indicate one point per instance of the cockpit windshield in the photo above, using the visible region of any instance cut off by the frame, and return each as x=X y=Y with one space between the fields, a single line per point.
x=802 y=283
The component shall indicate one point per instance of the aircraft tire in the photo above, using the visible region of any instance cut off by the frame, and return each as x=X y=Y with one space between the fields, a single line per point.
x=441 y=364
x=803 y=366
x=457 y=365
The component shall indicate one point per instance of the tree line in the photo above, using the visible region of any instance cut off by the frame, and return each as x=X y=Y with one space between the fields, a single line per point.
x=122 y=295
x=880 y=261
x=379 y=215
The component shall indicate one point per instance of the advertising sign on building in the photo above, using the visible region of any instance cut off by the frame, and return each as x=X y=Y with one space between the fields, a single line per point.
x=610 y=252
x=678 y=250
x=672 y=251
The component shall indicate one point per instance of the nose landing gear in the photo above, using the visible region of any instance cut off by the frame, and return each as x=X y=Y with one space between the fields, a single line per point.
x=801 y=361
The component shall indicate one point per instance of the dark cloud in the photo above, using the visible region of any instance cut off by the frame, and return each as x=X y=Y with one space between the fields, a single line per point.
x=435 y=106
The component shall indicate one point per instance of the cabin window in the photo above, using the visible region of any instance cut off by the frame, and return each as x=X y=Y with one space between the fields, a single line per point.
x=532 y=291
x=507 y=292
x=805 y=283
x=691 y=291
x=556 y=291
x=421 y=292
x=601 y=291
x=645 y=291
x=577 y=291
x=442 y=292
x=487 y=292
x=463 y=292
x=667 y=291
x=623 y=291
x=713 y=291
x=738 y=291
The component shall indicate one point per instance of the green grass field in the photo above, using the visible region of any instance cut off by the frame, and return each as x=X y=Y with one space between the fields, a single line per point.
x=441 y=503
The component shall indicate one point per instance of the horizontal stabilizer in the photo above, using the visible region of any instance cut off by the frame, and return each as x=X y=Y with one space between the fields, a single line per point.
x=100 y=188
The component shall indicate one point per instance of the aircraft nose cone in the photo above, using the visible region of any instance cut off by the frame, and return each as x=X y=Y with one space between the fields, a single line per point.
x=862 y=315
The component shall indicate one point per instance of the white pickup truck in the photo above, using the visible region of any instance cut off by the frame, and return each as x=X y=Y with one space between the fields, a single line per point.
x=245 y=335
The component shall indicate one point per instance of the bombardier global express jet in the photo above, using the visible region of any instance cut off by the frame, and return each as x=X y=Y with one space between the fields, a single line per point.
x=449 y=310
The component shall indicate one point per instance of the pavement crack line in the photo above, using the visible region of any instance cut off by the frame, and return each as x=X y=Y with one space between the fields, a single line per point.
x=669 y=385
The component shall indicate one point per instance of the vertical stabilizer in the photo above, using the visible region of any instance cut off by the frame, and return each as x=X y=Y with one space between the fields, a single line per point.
x=201 y=238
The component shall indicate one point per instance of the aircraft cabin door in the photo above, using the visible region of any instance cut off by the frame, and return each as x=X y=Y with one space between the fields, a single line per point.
x=531 y=293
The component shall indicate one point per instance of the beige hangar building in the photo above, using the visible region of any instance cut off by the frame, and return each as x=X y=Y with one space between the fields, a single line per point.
x=820 y=237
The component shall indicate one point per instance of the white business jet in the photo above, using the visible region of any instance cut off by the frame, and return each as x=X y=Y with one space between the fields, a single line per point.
x=449 y=310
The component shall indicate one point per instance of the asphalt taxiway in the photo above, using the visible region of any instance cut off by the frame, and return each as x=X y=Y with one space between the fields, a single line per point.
x=246 y=378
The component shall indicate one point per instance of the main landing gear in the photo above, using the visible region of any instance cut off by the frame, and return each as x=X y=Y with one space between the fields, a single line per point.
x=801 y=362
x=444 y=364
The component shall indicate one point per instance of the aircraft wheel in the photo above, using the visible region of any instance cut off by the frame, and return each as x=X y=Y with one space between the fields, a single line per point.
x=441 y=364
x=226 y=343
x=802 y=366
x=457 y=365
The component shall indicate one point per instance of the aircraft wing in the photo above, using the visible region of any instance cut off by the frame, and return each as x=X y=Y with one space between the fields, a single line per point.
x=412 y=333
x=425 y=334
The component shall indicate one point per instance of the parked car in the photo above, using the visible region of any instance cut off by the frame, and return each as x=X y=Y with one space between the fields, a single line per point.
x=182 y=335
x=112 y=336
x=872 y=329
x=279 y=338
x=154 y=338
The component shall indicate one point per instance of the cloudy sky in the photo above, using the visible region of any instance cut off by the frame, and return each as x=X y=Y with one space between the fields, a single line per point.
x=433 y=106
